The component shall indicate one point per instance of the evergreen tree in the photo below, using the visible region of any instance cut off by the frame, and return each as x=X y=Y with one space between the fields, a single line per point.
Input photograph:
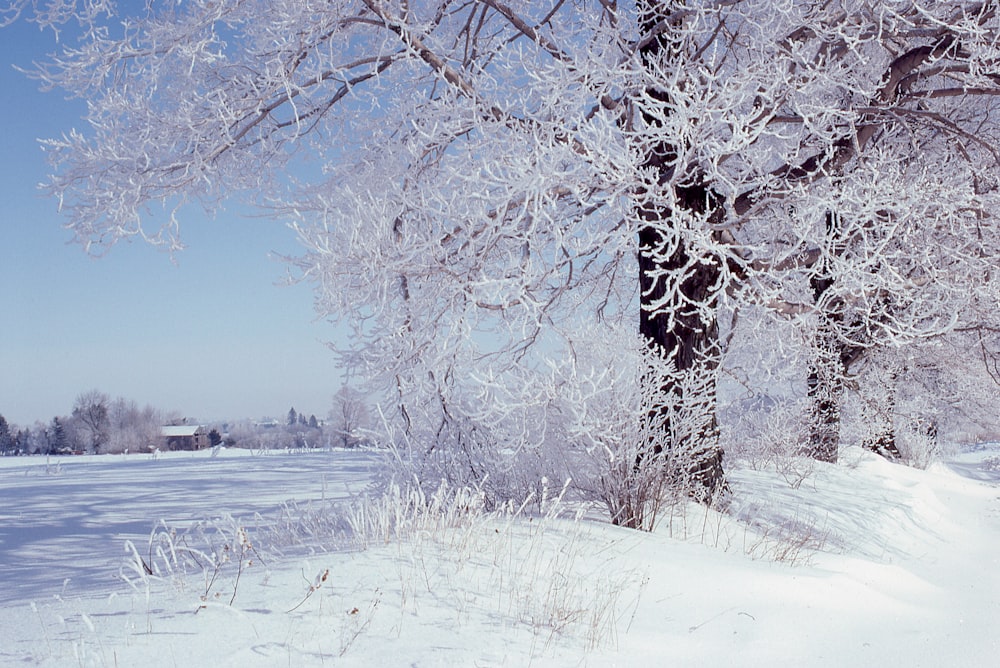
x=313 y=422
x=292 y=417
x=6 y=440
x=214 y=437
x=21 y=441
x=57 y=436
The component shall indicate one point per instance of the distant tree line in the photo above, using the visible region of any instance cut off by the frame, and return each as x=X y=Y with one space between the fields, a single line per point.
x=346 y=426
x=97 y=424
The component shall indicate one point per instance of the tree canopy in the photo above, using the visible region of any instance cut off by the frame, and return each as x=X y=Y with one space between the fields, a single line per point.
x=546 y=220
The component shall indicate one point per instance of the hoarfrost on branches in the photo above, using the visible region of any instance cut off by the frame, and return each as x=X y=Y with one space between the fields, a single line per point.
x=485 y=189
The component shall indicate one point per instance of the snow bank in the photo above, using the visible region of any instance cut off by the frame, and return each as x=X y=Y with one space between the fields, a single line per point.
x=863 y=563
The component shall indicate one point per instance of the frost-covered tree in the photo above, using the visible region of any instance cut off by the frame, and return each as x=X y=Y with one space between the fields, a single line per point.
x=38 y=439
x=131 y=428
x=92 y=419
x=347 y=416
x=943 y=385
x=481 y=185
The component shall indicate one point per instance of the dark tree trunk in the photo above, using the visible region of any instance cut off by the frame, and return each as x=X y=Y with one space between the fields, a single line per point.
x=685 y=336
x=831 y=363
x=685 y=289
x=832 y=359
x=881 y=408
x=826 y=392
x=833 y=356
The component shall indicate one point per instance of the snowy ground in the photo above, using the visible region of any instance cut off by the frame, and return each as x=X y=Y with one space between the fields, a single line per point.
x=861 y=564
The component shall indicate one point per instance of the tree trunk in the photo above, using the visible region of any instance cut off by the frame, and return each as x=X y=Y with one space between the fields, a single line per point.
x=833 y=356
x=832 y=359
x=880 y=407
x=687 y=412
x=826 y=392
x=684 y=288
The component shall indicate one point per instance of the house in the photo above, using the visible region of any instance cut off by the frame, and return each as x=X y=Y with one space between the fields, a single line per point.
x=185 y=437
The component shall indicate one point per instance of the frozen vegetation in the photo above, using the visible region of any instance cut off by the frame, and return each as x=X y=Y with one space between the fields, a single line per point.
x=553 y=233
x=625 y=280
x=275 y=560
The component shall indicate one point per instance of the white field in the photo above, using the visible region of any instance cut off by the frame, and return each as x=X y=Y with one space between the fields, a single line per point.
x=864 y=563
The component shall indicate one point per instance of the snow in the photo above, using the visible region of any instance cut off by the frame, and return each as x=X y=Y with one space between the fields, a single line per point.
x=855 y=564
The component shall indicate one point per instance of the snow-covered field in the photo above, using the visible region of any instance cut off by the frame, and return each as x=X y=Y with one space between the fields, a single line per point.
x=861 y=564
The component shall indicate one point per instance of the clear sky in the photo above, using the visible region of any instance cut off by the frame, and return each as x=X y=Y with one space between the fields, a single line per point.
x=212 y=336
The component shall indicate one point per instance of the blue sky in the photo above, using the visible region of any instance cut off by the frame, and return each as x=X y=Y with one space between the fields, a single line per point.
x=213 y=335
